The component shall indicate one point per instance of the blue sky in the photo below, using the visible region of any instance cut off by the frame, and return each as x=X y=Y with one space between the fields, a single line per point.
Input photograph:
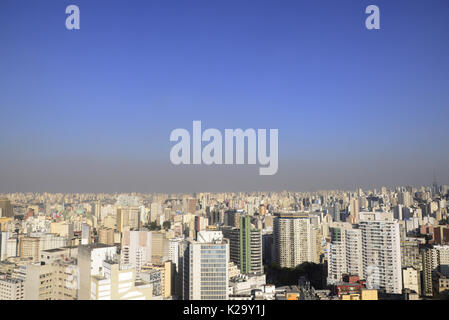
x=92 y=109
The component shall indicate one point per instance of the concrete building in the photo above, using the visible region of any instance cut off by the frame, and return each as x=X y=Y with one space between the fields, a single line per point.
x=244 y=284
x=344 y=252
x=430 y=265
x=54 y=278
x=85 y=234
x=173 y=251
x=354 y=211
x=11 y=288
x=381 y=249
x=128 y=217
x=90 y=263
x=8 y=245
x=136 y=249
x=435 y=266
x=245 y=245
x=118 y=282
x=159 y=247
x=62 y=229
x=411 y=280
x=203 y=270
x=293 y=241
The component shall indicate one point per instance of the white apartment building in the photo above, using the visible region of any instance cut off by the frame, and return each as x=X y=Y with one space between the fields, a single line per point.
x=381 y=250
x=8 y=245
x=118 y=283
x=411 y=279
x=344 y=252
x=136 y=249
x=443 y=258
x=173 y=251
x=90 y=263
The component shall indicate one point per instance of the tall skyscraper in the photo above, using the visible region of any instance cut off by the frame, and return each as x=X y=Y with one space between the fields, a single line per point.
x=6 y=210
x=354 y=210
x=344 y=252
x=8 y=245
x=173 y=251
x=159 y=247
x=381 y=248
x=293 y=242
x=435 y=266
x=405 y=198
x=128 y=217
x=245 y=245
x=85 y=234
x=204 y=270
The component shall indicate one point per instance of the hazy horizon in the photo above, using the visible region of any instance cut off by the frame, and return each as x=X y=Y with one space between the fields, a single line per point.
x=91 y=110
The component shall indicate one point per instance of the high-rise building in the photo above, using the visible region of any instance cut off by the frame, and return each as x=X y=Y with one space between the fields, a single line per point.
x=136 y=249
x=201 y=223
x=159 y=247
x=155 y=211
x=173 y=251
x=381 y=249
x=435 y=265
x=344 y=252
x=128 y=216
x=245 y=246
x=6 y=209
x=118 y=282
x=203 y=270
x=262 y=210
x=85 y=234
x=11 y=288
x=410 y=254
x=106 y=236
x=54 y=281
x=354 y=210
x=29 y=247
x=405 y=198
x=293 y=243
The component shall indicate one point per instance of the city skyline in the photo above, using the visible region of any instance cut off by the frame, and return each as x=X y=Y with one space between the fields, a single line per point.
x=387 y=244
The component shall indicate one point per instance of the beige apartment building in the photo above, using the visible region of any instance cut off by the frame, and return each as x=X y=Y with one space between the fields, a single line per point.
x=11 y=288
x=106 y=236
x=29 y=248
x=294 y=239
x=56 y=281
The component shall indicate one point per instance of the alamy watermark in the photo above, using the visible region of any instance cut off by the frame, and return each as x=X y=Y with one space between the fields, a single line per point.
x=212 y=153
x=372 y=22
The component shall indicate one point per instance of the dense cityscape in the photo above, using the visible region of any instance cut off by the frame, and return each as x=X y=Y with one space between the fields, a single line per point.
x=380 y=244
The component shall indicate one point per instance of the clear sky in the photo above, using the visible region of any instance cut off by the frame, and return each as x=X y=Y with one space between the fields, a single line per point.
x=91 y=110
